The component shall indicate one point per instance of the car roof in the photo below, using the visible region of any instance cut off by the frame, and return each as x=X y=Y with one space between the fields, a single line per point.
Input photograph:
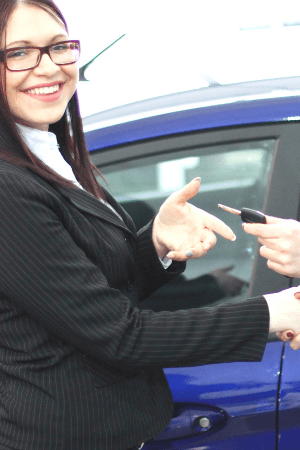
x=217 y=106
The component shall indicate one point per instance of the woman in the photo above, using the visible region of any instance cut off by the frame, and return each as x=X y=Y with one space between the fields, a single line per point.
x=81 y=364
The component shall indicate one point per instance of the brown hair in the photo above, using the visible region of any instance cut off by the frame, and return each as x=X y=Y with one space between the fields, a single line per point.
x=68 y=130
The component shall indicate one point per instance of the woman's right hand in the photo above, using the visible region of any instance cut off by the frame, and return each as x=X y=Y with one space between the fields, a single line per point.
x=280 y=240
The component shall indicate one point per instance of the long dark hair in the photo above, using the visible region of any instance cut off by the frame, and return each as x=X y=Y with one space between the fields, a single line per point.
x=68 y=130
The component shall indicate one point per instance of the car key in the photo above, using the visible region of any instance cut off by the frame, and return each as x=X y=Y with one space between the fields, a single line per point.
x=247 y=215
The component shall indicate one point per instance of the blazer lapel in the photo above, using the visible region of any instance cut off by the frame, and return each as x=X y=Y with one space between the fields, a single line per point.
x=88 y=203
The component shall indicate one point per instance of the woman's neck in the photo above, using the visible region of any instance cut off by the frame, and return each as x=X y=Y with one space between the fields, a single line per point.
x=41 y=126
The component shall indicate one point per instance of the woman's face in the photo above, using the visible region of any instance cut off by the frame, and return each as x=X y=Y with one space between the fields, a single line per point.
x=32 y=26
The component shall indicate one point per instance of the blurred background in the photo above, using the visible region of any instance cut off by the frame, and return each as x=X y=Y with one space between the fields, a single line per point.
x=168 y=46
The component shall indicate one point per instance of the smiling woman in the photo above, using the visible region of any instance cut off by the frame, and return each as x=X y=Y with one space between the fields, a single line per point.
x=42 y=98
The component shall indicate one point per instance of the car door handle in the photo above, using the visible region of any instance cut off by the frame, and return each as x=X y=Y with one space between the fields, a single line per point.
x=193 y=419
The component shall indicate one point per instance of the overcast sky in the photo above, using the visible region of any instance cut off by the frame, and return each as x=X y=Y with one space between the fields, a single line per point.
x=172 y=46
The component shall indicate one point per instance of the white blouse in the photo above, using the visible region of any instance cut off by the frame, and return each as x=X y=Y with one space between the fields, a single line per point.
x=45 y=146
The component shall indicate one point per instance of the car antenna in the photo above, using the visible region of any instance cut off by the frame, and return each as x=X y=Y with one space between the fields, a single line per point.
x=83 y=68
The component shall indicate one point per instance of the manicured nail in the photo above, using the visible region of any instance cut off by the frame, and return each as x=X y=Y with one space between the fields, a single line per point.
x=189 y=253
x=197 y=178
x=290 y=334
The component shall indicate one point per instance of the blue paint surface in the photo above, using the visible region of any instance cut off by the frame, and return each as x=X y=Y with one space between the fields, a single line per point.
x=245 y=392
x=289 y=405
x=237 y=113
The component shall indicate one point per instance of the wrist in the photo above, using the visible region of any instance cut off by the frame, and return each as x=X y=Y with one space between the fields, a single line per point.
x=160 y=248
x=274 y=324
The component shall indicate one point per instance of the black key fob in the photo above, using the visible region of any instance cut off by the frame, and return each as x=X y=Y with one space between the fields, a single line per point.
x=251 y=216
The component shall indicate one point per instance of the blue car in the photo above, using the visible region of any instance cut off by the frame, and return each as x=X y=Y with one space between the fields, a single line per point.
x=244 y=142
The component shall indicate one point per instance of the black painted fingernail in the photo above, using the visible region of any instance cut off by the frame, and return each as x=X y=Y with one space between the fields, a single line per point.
x=290 y=334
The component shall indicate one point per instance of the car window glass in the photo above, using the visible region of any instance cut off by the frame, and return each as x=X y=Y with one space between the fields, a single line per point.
x=235 y=175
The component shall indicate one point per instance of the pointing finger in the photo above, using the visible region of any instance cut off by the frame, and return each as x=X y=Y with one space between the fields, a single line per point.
x=216 y=225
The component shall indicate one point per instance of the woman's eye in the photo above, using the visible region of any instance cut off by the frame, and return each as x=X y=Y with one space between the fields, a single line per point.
x=17 y=54
x=60 y=47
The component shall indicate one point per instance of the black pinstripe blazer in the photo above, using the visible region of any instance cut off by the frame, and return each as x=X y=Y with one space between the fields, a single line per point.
x=80 y=363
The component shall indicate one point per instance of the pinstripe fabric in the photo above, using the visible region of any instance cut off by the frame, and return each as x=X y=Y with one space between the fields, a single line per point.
x=81 y=364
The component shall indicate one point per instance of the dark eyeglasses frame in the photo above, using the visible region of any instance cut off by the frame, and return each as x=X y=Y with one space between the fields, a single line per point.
x=43 y=50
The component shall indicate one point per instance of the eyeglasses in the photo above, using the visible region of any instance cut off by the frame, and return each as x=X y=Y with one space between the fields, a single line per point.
x=26 y=58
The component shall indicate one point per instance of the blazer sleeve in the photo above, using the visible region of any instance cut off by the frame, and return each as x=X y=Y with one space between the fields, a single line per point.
x=50 y=278
x=150 y=273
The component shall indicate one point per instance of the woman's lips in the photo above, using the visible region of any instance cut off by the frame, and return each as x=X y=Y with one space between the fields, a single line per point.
x=45 y=97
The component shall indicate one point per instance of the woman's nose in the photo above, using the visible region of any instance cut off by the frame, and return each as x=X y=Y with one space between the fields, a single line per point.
x=46 y=66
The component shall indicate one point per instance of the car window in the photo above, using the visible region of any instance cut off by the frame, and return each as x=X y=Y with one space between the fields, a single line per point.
x=234 y=174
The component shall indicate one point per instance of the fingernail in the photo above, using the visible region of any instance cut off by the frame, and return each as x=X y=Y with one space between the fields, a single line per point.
x=234 y=238
x=207 y=247
x=189 y=253
x=197 y=178
x=290 y=334
x=243 y=224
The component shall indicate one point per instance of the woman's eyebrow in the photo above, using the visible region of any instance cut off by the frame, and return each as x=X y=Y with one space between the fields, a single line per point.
x=18 y=43
x=30 y=43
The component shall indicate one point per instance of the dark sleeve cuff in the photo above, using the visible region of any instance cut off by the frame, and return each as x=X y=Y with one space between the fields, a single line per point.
x=257 y=320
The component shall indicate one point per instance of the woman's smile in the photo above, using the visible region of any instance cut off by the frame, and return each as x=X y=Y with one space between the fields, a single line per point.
x=50 y=92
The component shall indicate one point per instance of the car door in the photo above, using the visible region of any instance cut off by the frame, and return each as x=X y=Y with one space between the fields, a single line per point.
x=289 y=400
x=220 y=406
x=288 y=426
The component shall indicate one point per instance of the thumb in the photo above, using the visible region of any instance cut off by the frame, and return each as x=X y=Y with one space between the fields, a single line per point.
x=286 y=335
x=274 y=220
x=188 y=191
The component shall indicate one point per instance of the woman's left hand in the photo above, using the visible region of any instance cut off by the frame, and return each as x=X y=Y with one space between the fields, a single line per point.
x=182 y=231
x=289 y=335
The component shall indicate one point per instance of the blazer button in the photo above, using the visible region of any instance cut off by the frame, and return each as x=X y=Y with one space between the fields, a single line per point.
x=129 y=286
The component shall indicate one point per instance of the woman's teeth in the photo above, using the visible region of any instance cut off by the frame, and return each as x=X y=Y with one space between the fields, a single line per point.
x=45 y=90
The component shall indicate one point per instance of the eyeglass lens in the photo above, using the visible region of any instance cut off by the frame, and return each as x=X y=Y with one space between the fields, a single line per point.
x=27 y=58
